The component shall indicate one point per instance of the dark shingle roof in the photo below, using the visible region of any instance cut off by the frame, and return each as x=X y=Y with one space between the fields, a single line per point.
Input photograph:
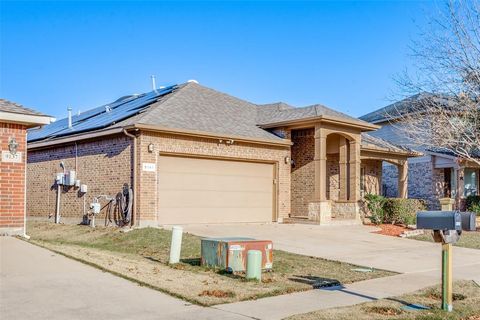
x=405 y=106
x=474 y=153
x=12 y=107
x=371 y=141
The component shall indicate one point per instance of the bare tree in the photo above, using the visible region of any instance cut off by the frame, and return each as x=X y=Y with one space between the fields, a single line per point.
x=446 y=114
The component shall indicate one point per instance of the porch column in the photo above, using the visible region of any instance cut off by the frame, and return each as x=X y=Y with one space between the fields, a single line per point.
x=403 y=179
x=343 y=161
x=354 y=165
x=320 y=164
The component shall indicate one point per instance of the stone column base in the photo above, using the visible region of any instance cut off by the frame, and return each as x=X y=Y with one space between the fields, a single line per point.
x=320 y=212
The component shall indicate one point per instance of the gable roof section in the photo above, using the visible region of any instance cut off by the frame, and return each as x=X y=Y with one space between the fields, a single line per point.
x=371 y=142
x=15 y=113
x=269 y=117
x=12 y=107
x=405 y=106
x=200 y=109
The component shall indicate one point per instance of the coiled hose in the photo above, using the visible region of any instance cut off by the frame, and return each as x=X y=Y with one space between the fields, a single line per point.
x=120 y=208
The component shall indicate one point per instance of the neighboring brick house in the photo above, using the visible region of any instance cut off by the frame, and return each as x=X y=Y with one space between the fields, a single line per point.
x=14 y=121
x=195 y=155
x=437 y=174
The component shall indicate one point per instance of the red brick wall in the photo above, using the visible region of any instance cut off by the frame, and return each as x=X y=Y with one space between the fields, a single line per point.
x=12 y=181
x=171 y=143
x=303 y=172
x=104 y=165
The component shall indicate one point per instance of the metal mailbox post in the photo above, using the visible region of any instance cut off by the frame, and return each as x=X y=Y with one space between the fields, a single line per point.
x=447 y=228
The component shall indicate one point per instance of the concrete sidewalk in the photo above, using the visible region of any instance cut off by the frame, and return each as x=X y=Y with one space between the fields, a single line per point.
x=38 y=284
x=280 y=307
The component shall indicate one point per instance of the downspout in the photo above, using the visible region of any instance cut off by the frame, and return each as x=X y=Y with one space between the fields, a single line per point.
x=134 y=173
x=25 y=192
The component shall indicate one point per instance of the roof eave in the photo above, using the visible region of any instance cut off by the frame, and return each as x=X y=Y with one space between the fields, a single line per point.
x=364 y=126
x=72 y=138
x=29 y=120
x=204 y=134
x=386 y=150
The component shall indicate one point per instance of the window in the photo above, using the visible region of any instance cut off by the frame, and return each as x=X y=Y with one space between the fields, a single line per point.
x=470 y=182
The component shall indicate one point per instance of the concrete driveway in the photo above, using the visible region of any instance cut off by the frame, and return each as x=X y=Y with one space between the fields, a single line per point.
x=353 y=244
x=38 y=284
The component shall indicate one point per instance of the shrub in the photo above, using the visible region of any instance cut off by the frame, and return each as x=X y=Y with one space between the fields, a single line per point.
x=399 y=210
x=473 y=204
x=375 y=205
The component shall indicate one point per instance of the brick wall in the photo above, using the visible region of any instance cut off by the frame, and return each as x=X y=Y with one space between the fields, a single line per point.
x=333 y=178
x=303 y=171
x=104 y=165
x=12 y=181
x=372 y=176
x=170 y=143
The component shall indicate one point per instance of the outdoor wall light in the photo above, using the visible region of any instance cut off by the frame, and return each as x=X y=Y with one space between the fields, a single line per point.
x=150 y=147
x=287 y=160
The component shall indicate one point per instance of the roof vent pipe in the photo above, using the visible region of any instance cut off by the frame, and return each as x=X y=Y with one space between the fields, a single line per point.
x=154 y=86
x=69 y=117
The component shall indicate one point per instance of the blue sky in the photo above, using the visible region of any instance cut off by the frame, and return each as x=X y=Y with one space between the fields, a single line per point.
x=84 y=54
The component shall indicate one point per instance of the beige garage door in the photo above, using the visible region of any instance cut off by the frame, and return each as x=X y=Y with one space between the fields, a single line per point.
x=192 y=190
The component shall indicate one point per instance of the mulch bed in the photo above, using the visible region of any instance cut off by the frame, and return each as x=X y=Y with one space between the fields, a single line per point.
x=390 y=230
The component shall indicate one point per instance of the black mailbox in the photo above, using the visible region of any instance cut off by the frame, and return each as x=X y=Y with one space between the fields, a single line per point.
x=468 y=221
x=439 y=220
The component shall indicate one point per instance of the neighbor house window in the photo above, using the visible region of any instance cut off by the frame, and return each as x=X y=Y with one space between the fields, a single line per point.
x=470 y=182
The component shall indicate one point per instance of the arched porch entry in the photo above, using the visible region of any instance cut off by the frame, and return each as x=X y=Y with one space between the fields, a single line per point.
x=326 y=173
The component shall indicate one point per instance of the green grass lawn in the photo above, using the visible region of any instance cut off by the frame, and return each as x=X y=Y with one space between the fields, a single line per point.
x=466 y=306
x=470 y=239
x=142 y=255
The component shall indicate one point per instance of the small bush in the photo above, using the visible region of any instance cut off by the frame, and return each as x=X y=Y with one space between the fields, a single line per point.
x=375 y=205
x=399 y=210
x=473 y=204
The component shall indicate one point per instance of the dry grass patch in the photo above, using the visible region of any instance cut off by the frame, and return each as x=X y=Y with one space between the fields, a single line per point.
x=468 y=239
x=142 y=255
x=466 y=306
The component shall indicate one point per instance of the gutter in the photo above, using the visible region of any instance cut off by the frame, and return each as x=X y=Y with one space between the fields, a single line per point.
x=134 y=173
x=388 y=151
x=72 y=138
x=203 y=134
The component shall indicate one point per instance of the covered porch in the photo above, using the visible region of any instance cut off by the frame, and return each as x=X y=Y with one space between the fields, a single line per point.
x=333 y=167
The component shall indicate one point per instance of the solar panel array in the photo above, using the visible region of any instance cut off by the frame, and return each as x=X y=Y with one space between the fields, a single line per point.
x=100 y=117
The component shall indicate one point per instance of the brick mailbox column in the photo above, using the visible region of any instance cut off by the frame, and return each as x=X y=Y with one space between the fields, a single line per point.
x=12 y=178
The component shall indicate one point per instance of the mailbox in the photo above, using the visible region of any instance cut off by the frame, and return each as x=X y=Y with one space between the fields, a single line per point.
x=468 y=221
x=439 y=220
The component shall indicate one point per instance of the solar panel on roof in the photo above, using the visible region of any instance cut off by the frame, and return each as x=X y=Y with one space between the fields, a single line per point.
x=100 y=117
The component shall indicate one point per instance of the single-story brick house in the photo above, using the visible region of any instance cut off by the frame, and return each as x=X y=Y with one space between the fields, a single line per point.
x=196 y=155
x=14 y=121
x=437 y=174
